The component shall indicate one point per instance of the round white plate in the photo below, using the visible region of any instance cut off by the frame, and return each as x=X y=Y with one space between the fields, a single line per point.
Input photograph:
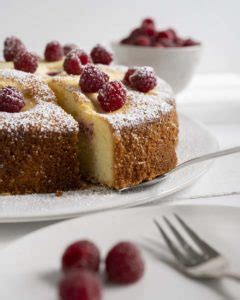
x=30 y=268
x=194 y=140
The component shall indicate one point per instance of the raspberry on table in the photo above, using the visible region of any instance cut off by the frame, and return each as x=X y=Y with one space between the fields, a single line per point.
x=143 y=79
x=81 y=285
x=81 y=255
x=92 y=79
x=124 y=263
x=53 y=51
x=26 y=61
x=12 y=46
x=100 y=55
x=69 y=47
x=112 y=96
x=11 y=100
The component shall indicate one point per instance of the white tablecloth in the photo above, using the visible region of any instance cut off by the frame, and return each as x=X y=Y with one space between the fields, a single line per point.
x=214 y=100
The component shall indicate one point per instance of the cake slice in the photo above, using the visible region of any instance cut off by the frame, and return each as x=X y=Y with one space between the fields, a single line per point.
x=127 y=146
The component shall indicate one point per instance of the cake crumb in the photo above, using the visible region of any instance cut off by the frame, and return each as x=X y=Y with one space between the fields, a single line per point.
x=58 y=193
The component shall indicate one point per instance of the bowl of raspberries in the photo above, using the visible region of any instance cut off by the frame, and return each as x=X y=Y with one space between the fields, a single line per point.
x=173 y=57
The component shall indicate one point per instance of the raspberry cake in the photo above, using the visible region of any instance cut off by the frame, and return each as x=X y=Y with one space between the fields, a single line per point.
x=126 y=136
x=39 y=141
x=125 y=129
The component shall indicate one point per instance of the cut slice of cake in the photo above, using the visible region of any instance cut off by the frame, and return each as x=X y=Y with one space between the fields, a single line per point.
x=127 y=146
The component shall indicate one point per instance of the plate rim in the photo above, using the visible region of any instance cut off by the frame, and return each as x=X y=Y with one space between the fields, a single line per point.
x=120 y=213
x=150 y=199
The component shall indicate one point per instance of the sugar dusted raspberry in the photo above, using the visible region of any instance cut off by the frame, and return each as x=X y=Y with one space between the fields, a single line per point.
x=26 y=61
x=69 y=47
x=129 y=72
x=92 y=79
x=12 y=46
x=124 y=263
x=81 y=255
x=143 y=79
x=53 y=51
x=83 y=56
x=72 y=63
x=142 y=40
x=112 y=96
x=100 y=55
x=11 y=100
x=81 y=285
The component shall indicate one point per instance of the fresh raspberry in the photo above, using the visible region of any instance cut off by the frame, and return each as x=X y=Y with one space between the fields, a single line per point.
x=124 y=263
x=148 y=22
x=126 y=41
x=12 y=46
x=26 y=61
x=166 y=34
x=190 y=42
x=72 y=63
x=101 y=56
x=179 y=42
x=167 y=43
x=142 y=40
x=69 y=47
x=129 y=72
x=143 y=79
x=136 y=32
x=149 y=31
x=11 y=100
x=112 y=96
x=158 y=45
x=81 y=255
x=92 y=79
x=81 y=285
x=53 y=51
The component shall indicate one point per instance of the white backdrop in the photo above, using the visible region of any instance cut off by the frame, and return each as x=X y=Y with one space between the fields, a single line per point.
x=215 y=22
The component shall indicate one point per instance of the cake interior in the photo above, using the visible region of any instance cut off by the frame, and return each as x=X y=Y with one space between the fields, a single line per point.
x=95 y=140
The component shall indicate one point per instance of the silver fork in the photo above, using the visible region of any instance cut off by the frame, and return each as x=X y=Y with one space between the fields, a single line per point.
x=205 y=263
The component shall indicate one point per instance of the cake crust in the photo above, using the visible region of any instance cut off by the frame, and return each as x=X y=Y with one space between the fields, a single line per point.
x=39 y=146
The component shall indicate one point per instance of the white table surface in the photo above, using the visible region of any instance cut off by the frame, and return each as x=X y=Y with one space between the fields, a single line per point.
x=214 y=100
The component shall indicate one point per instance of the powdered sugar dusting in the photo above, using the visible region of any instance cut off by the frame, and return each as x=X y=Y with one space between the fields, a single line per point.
x=140 y=107
x=44 y=117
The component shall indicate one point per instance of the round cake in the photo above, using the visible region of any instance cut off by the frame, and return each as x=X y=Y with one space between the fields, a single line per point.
x=39 y=144
x=65 y=132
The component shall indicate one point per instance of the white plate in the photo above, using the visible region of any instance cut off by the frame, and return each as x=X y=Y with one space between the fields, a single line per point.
x=30 y=268
x=194 y=140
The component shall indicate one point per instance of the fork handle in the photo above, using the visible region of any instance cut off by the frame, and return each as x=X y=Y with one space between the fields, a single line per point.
x=232 y=275
x=206 y=157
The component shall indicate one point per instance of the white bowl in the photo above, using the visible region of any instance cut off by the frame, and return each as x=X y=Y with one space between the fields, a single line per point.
x=175 y=65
